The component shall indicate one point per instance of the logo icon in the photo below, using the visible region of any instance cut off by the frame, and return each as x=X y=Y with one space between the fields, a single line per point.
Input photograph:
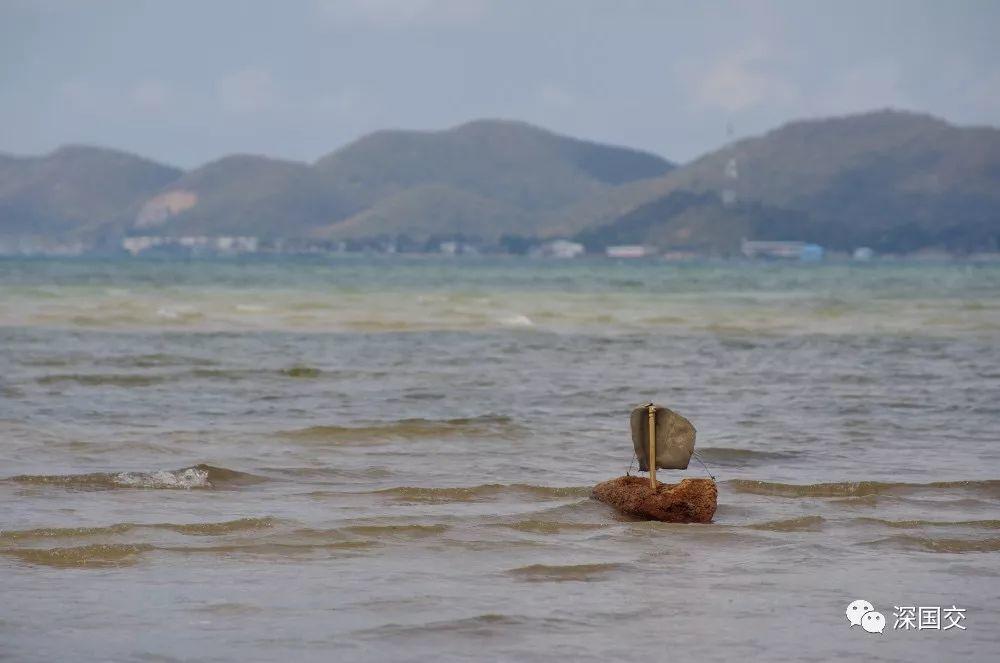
x=862 y=613
x=873 y=622
x=857 y=609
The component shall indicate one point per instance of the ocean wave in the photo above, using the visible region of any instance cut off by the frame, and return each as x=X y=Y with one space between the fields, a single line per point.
x=938 y=545
x=99 y=555
x=396 y=531
x=191 y=477
x=484 y=492
x=271 y=547
x=229 y=609
x=487 y=625
x=802 y=524
x=989 y=488
x=919 y=524
x=518 y=320
x=204 y=529
x=301 y=371
x=215 y=529
x=11 y=535
x=196 y=477
x=178 y=312
x=102 y=555
x=153 y=360
x=481 y=426
x=147 y=379
x=564 y=572
x=537 y=526
x=104 y=379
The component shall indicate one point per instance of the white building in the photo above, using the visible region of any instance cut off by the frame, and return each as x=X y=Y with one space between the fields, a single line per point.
x=629 y=251
x=562 y=248
x=192 y=243
x=781 y=249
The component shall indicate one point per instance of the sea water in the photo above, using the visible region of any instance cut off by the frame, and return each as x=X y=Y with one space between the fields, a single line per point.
x=391 y=458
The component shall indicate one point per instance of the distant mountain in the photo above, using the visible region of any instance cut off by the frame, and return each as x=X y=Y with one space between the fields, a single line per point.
x=480 y=179
x=76 y=191
x=891 y=180
x=487 y=177
x=240 y=195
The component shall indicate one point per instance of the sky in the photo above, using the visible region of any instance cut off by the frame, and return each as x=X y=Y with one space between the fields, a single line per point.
x=186 y=82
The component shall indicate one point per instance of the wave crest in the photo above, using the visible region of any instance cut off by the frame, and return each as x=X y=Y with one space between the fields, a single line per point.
x=195 y=529
x=196 y=477
x=989 y=487
x=802 y=524
x=918 y=524
x=537 y=526
x=99 y=555
x=563 y=573
x=938 y=545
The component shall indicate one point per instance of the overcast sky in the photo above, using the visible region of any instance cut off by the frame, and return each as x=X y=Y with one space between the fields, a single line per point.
x=186 y=82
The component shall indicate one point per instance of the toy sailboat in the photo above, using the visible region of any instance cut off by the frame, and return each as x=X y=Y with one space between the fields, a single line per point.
x=660 y=434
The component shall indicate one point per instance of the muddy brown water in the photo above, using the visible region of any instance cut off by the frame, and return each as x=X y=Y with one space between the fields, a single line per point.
x=392 y=459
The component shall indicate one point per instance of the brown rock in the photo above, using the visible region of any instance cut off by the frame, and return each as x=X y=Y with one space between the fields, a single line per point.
x=690 y=501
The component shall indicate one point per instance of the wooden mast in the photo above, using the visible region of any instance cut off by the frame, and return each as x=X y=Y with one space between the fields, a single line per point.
x=651 y=457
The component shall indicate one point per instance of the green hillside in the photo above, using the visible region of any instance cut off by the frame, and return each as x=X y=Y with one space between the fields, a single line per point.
x=76 y=191
x=891 y=180
x=430 y=210
x=496 y=166
x=482 y=179
x=696 y=222
x=241 y=195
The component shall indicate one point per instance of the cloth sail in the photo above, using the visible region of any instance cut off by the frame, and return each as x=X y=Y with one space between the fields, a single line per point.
x=674 y=438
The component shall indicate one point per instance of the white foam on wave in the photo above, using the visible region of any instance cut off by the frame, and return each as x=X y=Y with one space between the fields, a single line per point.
x=191 y=477
x=177 y=312
x=518 y=320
